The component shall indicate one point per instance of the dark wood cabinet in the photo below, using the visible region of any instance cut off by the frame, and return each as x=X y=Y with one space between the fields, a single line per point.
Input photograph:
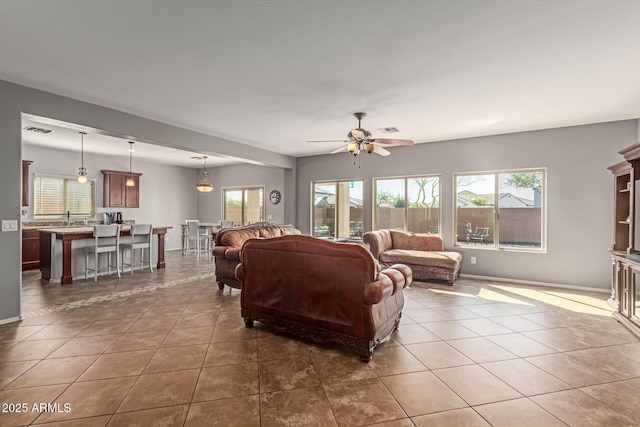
x=30 y=250
x=116 y=193
x=25 y=182
x=625 y=252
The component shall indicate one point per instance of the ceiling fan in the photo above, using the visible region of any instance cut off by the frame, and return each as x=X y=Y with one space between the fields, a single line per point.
x=360 y=140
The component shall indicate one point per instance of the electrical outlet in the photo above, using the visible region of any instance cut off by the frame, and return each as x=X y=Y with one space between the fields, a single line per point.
x=127 y=254
x=269 y=216
x=473 y=260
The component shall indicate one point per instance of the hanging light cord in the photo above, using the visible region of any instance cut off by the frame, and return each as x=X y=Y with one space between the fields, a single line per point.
x=82 y=149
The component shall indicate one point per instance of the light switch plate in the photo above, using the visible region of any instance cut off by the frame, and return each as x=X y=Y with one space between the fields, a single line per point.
x=9 y=225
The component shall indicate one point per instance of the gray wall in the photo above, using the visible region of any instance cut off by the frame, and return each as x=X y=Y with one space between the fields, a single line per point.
x=16 y=99
x=210 y=204
x=167 y=193
x=579 y=194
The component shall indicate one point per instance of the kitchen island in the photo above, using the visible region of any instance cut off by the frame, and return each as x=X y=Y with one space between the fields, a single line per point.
x=52 y=238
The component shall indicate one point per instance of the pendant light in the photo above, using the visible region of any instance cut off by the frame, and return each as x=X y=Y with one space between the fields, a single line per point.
x=205 y=185
x=130 y=182
x=82 y=171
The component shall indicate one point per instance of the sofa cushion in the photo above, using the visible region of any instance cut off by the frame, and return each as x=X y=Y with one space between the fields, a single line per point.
x=416 y=242
x=431 y=259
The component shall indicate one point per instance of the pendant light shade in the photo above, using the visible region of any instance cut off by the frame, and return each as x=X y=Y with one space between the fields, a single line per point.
x=130 y=182
x=205 y=184
x=82 y=171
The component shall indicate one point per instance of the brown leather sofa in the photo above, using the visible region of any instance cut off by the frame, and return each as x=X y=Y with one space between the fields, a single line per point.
x=424 y=254
x=321 y=290
x=229 y=241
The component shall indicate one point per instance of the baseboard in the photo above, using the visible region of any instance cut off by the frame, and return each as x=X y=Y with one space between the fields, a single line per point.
x=534 y=283
x=10 y=320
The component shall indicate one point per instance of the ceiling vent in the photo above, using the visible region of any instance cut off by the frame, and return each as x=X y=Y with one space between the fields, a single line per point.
x=37 y=130
x=391 y=129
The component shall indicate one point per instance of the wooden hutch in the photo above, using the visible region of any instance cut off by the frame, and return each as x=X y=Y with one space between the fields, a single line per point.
x=625 y=252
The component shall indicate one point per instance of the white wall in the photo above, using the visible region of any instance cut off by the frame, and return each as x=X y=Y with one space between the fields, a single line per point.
x=579 y=194
x=167 y=193
x=210 y=204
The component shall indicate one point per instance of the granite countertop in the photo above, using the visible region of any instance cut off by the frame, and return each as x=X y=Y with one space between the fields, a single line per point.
x=43 y=225
x=81 y=229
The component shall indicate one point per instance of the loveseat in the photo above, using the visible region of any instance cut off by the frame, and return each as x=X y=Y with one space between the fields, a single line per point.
x=321 y=290
x=229 y=241
x=424 y=254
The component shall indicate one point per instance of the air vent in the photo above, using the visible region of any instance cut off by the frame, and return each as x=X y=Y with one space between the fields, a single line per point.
x=37 y=130
x=391 y=129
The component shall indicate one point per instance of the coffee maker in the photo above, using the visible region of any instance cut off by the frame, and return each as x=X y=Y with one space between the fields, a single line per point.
x=113 y=218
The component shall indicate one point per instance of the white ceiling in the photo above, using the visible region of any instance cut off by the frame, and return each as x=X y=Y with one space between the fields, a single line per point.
x=275 y=73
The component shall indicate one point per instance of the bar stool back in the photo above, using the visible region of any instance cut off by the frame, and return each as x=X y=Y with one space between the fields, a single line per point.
x=106 y=239
x=141 y=238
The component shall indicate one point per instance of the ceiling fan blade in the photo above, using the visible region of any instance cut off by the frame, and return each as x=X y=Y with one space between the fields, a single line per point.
x=384 y=141
x=339 y=150
x=379 y=150
x=330 y=140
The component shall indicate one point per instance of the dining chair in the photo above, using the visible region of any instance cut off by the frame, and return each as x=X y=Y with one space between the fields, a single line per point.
x=141 y=238
x=200 y=238
x=106 y=239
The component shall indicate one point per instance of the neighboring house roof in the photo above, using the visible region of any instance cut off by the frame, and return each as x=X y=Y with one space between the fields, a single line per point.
x=326 y=199
x=506 y=200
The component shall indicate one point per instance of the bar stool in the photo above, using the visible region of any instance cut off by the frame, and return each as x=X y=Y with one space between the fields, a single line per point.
x=144 y=233
x=103 y=242
x=199 y=238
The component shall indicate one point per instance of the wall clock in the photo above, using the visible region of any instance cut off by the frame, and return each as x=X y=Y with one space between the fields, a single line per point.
x=275 y=197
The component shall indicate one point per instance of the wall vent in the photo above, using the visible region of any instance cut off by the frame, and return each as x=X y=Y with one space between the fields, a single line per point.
x=37 y=129
x=391 y=129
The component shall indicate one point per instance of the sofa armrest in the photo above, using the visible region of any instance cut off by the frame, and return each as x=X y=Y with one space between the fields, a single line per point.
x=402 y=269
x=378 y=242
x=240 y=272
x=218 y=251
x=379 y=290
x=233 y=254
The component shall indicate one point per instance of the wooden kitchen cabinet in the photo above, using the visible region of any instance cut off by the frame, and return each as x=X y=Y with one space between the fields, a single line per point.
x=30 y=250
x=116 y=194
x=25 y=182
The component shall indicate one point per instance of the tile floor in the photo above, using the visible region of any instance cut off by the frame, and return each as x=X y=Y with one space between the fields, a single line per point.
x=169 y=348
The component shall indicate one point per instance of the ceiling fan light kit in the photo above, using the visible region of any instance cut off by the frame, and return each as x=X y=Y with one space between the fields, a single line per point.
x=360 y=140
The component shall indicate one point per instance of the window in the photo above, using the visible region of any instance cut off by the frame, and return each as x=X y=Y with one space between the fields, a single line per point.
x=500 y=209
x=244 y=206
x=54 y=197
x=337 y=209
x=410 y=204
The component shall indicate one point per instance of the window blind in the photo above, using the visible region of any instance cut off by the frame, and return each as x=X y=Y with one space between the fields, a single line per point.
x=55 y=196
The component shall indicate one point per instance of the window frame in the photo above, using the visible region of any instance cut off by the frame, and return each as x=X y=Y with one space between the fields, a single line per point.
x=243 y=189
x=496 y=211
x=336 y=218
x=65 y=180
x=406 y=179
